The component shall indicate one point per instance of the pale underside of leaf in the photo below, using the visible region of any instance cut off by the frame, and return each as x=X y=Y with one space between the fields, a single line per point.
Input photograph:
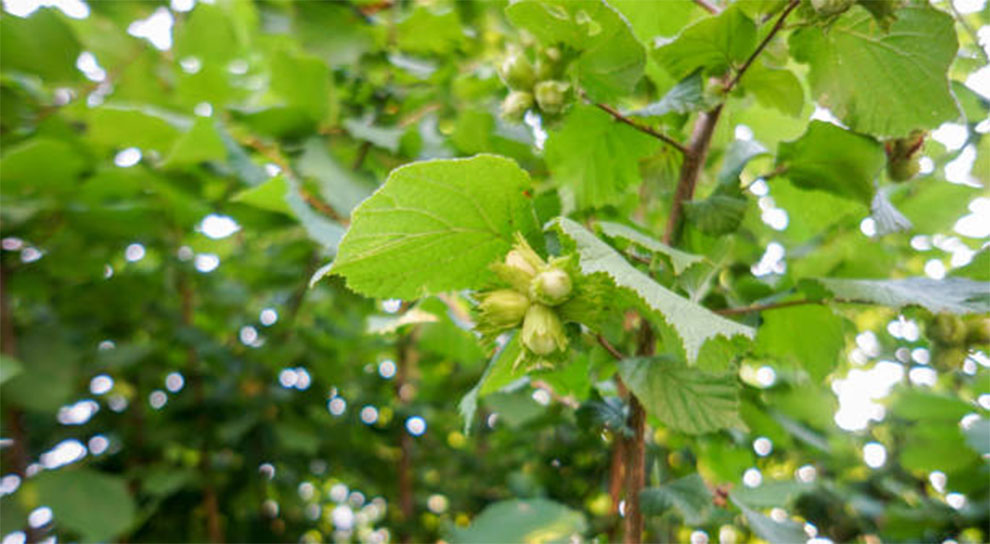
x=694 y=324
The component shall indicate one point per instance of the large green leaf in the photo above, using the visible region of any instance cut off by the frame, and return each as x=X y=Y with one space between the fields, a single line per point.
x=774 y=532
x=41 y=44
x=341 y=187
x=684 y=398
x=693 y=323
x=879 y=82
x=9 y=368
x=712 y=44
x=40 y=165
x=688 y=495
x=776 y=88
x=680 y=260
x=596 y=157
x=955 y=295
x=93 y=504
x=436 y=226
x=201 y=143
x=611 y=59
x=830 y=158
x=685 y=97
x=532 y=520
x=809 y=337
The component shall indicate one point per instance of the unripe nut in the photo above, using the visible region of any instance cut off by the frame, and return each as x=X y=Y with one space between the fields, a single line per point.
x=542 y=331
x=503 y=309
x=517 y=72
x=978 y=330
x=551 y=287
x=516 y=104
x=550 y=95
x=831 y=7
x=947 y=330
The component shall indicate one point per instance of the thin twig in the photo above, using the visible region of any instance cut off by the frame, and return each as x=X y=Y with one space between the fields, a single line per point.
x=610 y=348
x=969 y=30
x=708 y=6
x=775 y=305
x=759 y=48
x=272 y=153
x=642 y=128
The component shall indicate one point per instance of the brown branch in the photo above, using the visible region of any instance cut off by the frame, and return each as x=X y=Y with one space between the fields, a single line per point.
x=210 y=504
x=759 y=48
x=709 y=7
x=694 y=160
x=642 y=128
x=407 y=356
x=19 y=456
x=636 y=448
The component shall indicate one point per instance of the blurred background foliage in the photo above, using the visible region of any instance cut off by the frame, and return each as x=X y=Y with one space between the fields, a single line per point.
x=174 y=174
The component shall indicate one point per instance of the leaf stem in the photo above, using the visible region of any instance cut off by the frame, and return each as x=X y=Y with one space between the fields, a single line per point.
x=775 y=305
x=759 y=48
x=642 y=128
x=708 y=6
x=610 y=348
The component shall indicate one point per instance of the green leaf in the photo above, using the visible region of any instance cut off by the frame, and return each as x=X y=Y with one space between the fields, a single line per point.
x=497 y=375
x=596 y=157
x=918 y=405
x=39 y=165
x=531 y=520
x=693 y=323
x=954 y=295
x=776 y=88
x=685 y=97
x=383 y=137
x=680 y=260
x=427 y=32
x=688 y=495
x=611 y=59
x=936 y=446
x=878 y=82
x=978 y=436
x=786 y=532
x=118 y=127
x=770 y=494
x=829 y=158
x=341 y=187
x=93 y=504
x=684 y=398
x=436 y=226
x=934 y=205
x=737 y=156
x=304 y=83
x=9 y=368
x=201 y=143
x=712 y=44
x=977 y=269
x=269 y=196
x=318 y=227
x=40 y=44
x=206 y=34
x=808 y=337
x=721 y=213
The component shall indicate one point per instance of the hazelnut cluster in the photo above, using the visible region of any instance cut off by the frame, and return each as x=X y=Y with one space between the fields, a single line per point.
x=535 y=289
x=534 y=83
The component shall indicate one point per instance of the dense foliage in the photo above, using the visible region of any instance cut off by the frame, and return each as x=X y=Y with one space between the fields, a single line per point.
x=495 y=272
